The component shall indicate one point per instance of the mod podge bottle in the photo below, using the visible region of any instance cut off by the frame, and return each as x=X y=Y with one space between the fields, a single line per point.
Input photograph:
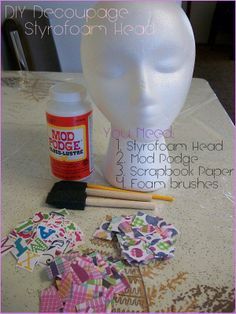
x=69 y=119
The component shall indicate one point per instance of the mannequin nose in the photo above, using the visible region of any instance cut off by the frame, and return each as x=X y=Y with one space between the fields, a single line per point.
x=141 y=86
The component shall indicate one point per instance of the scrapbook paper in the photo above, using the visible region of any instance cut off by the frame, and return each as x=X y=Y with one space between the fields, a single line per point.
x=62 y=212
x=28 y=260
x=86 y=283
x=58 y=267
x=48 y=235
x=38 y=245
x=98 y=305
x=143 y=237
x=102 y=231
x=45 y=233
x=64 y=287
x=7 y=244
x=86 y=292
x=50 y=300
x=114 y=223
x=38 y=217
x=56 y=248
x=20 y=247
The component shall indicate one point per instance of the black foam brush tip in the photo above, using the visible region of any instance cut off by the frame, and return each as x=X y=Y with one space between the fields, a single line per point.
x=68 y=194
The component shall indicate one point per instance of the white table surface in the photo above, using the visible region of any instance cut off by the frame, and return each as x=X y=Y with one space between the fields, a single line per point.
x=199 y=277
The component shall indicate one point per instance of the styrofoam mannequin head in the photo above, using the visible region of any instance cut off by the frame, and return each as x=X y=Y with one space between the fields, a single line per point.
x=140 y=80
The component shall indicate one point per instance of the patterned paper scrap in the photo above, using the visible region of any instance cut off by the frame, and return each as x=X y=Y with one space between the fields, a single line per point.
x=50 y=300
x=135 y=250
x=143 y=237
x=7 y=244
x=102 y=231
x=28 y=260
x=114 y=223
x=98 y=305
x=84 y=283
x=48 y=235
x=20 y=247
x=65 y=286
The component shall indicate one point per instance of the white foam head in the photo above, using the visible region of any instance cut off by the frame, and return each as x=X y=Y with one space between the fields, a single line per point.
x=139 y=78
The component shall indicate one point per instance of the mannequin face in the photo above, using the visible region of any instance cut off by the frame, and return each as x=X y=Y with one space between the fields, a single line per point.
x=140 y=80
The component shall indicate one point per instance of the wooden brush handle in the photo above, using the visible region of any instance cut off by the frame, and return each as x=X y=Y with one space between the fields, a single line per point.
x=109 y=188
x=109 y=202
x=119 y=195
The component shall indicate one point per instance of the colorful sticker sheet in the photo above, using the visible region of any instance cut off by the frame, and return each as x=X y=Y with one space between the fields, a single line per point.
x=141 y=237
x=83 y=283
x=39 y=239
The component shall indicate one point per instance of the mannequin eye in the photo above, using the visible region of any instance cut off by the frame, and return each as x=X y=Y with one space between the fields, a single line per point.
x=110 y=72
x=168 y=58
x=168 y=65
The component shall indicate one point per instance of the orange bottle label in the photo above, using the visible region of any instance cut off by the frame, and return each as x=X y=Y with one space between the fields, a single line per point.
x=69 y=140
